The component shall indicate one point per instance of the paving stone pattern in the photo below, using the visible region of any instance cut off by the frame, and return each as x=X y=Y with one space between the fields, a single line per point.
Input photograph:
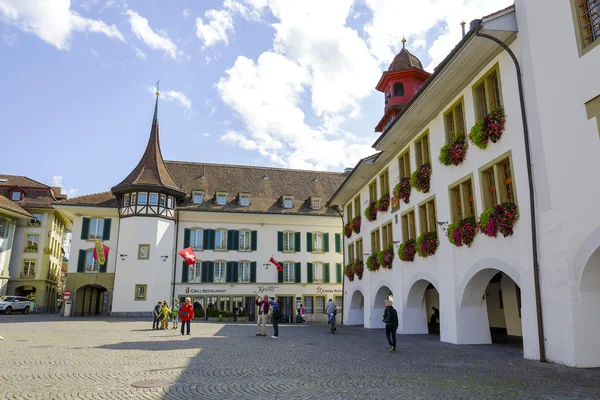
x=46 y=357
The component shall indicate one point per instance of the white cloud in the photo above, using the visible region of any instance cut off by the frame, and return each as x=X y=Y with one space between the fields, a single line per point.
x=58 y=181
x=53 y=21
x=156 y=41
x=172 y=96
x=186 y=12
x=216 y=28
x=139 y=54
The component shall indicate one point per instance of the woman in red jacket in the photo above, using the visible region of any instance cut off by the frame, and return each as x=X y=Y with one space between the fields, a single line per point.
x=186 y=313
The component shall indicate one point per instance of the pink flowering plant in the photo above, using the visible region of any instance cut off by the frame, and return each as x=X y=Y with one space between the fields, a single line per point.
x=421 y=178
x=501 y=219
x=349 y=272
x=356 y=224
x=348 y=230
x=427 y=244
x=490 y=128
x=463 y=232
x=407 y=251
x=358 y=267
x=372 y=263
x=385 y=258
x=454 y=153
x=402 y=190
x=487 y=223
x=371 y=211
x=383 y=204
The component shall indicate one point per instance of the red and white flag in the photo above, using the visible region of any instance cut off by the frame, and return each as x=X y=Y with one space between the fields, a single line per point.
x=188 y=255
x=275 y=263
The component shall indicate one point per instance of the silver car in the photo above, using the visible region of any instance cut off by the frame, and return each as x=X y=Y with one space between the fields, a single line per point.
x=9 y=304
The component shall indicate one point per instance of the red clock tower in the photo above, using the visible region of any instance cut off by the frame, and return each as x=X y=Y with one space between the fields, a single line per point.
x=399 y=84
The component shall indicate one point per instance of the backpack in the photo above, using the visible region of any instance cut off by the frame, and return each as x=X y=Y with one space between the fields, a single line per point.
x=277 y=313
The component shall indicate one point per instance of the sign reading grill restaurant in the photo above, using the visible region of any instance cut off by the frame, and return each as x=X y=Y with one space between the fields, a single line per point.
x=208 y=291
x=321 y=290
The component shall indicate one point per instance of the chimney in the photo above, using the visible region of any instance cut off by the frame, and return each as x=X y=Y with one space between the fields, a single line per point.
x=462 y=24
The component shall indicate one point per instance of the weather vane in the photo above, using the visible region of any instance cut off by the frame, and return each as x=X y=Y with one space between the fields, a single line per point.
x=157 y=86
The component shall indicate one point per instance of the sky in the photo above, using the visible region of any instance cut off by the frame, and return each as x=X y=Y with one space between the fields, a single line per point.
x=282 y=83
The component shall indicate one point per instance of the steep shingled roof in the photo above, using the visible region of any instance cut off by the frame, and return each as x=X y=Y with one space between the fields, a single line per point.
x=37 y=195
x=9 y=205
x=404 y=60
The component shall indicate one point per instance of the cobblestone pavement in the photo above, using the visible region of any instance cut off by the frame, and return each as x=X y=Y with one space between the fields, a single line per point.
x=46 y=357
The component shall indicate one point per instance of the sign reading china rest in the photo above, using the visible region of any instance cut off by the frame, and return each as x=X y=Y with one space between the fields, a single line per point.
x=258 y=289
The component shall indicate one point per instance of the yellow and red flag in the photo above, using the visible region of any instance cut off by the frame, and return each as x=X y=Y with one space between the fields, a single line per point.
x=100 y=252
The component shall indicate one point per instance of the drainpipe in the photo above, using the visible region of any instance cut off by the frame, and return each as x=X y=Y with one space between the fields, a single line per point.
x=175 y=256
x=343 y=261
x=478 y=25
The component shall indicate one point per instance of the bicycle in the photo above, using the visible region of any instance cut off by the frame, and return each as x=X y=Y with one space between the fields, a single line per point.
x=332 y=322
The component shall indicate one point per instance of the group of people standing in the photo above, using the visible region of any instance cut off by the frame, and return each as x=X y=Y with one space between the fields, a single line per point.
x=177 y=313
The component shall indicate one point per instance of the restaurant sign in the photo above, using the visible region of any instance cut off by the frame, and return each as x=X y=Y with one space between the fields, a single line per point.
x=321 y=290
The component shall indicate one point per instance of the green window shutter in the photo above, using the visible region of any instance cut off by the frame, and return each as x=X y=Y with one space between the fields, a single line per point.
x=298 y=272
x=186 y=237
x=280 y=276
x=326 y=273
x=326 y=242
x=338 y=243
x=309 y=273
x=230 y=240
x=204 y=272
x=254 y=241
x=106 y=229
x=85 y=229
x=81 y=260
x=235 y=271
x=253 y=271
x=279 y=241
x=338 y=273
x=297 y=242
x=229 y=272
x=209 y=239
x=235 y=242
x=103 y=267
x=185 y=270
x=309 y=242
x=211 y=271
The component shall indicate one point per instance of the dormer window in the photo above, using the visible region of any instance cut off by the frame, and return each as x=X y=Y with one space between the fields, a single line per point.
x=16 y=196
x=198 y=197
x=288 y=202
x=221 y=198
x=244 y=199
x=316 y=203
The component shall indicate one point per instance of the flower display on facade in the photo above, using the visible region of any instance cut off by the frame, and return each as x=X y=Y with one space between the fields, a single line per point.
x=348 y=230
x=349 y=272
x=454 y=153
x=463 y=232
x=421 y=178
x=372 y=263
x=383 y=204
x=358 y=268
x=371 y=211
x=407 y=251
x=385 y=258
x=427 y=244
x=490 y=128
x=402 y=190
x=356 y=224
x=501 y=219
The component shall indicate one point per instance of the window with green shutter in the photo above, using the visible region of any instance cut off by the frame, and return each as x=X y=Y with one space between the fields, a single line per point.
x=185 y=270
x=326 y=274
x=85 y=228
x=338 y=273
x=254 y=241
x=298 y=273
x=253 y=271
x=309 y=272
x=211 y=271
x=204 y=272
x=233 y=240
x=309 y=242
x=81 y=261
x=230 y=271
x=186 y=237
x=326 y=242
x=106 y=229
x=338 y=243
x=298 y=248
x=279 y=241
x=209 y=239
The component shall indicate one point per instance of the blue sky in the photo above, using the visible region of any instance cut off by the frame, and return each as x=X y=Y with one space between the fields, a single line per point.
x=287 y=83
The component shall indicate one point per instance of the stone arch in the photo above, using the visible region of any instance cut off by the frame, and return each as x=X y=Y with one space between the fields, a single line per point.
x=89 y=300
x=378 y=305
x=415 y=316
x=587 y=255
x=479 y=275
x=356 y=311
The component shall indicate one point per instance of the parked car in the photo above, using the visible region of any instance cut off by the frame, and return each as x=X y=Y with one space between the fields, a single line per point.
x=9 y=304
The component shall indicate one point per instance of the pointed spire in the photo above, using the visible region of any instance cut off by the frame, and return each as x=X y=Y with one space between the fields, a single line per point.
x=156 y=105
x=403 y=42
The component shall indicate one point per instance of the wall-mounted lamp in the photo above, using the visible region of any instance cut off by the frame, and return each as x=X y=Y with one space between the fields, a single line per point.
x=266 y=265
x=122 y=256
x=164 y=258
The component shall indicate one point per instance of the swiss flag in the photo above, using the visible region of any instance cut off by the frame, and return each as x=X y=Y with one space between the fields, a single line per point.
x=275 y=263
x=188 y=255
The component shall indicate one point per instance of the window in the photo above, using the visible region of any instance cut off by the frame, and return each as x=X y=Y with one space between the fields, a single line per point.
x=221 y=239
x=143 y=252
x=375 y=241
x=170 y=202
x=162 y=200
x=4 y=227
x=349 y=215
x=398 y=89
x=428 y=216
x=221 y=199
x=454 y=121
x=339 y=303
x=317 y=272
x=288 y=202
x=316 y=203
x=133 y=199
x=96 y=229
x=245 y=238
x=153 y=199
x=224 y=303
x=486 y=94
x=359 y=250
x=196 y=236
x=357 y=206
x=142 y=199
x=194 y=273
x=36 y=220
x=140 y=292
x=244 y=272
x=91 y=265
x=319 y=304
x=32 y=242
x=387 y=236
x=497 y=182
x=462 y=200
x=126 y=200
x=288 y=273
x=351 y=257
x=384 y=181
x=588 y=21
x=16 y=196
x=404 y=164
x=309 y=305
x=29 y=269
x=317 y=244
x=408 y=226
x=373 y=191
x=220 y=267
x=422 y=150
x=288 y=241
x=197 y=197
x=244 y=200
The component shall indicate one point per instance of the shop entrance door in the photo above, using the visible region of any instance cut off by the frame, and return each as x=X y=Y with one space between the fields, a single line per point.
x=250 y=309
x=287 y=305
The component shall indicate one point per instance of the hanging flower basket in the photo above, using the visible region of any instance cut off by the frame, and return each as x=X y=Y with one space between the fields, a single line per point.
x=454 y=153
x=487 y=223
x=356 y=224
x=463 y=232
x=490 y=128
x=348 y=230
x=358 y=268
x=349 y=272
x=477 y=137
x=385 y=258
x=402 y=190
x=383 y=203
x=407 y=251
x=371 y=211
x=421 y=178
x=501 y=219
x=427 y=244
x=372 y=263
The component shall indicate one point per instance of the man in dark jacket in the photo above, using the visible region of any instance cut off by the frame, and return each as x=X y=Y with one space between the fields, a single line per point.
x=390 y=317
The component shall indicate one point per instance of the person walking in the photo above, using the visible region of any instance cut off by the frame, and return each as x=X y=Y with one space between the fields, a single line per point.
x=275 y=315
x=186 y=314
x=302 y=314
x=331 y=309
x=164 y=315
x=263 y=312
x=156 y=312
x=175 y=313
x=390 y=317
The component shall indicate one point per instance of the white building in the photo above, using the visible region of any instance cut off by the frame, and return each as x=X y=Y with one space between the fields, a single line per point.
x=490 y=287
x=234 y=217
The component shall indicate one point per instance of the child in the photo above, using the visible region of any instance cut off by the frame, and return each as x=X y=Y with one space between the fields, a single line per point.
x=164 y=314
x=175 y=314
